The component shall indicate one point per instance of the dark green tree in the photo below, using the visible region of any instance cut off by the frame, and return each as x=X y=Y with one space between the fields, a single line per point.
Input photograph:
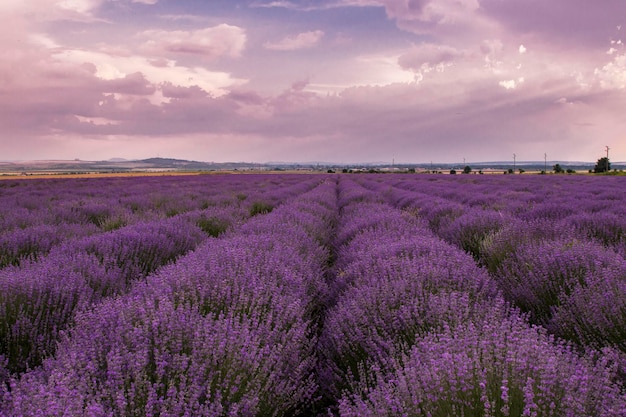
x=467 y=169
x=558 y=169
x=603 y=165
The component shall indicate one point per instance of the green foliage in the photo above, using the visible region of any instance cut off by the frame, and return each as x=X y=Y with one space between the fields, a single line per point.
x=260 y=207
x=467 y=169
x=603 y=165
x=113 y=223
x=212 y=226
x=558 y=169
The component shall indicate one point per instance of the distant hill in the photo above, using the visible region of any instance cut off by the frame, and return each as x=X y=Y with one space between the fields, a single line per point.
x=182 y=165
x=119 y=165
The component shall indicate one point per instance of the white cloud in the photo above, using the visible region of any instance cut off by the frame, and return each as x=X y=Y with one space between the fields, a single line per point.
x=146 y=1
x=300 y=41
x=50 y=10
x=613 y=74
x=522 y=49
x=511 y=84
x=427 y=57
x=79 y=6
x=110 y=67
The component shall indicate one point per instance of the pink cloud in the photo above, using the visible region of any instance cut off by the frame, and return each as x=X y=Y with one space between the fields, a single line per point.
x=180 y=90
x=302 y=40
x=133 y=84
x=560 y=22
x=51 y=10
x=210 y=43
x=175 y=91
x=428 y=56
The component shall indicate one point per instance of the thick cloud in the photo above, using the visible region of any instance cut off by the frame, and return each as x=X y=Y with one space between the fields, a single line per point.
x=456 y=79
x=426 y=57
x=210 y=43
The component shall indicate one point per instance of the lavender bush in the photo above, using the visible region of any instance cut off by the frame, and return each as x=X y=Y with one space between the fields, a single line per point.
x=497 y=367
x=594 y=314
x=539 y=275
x=226 y=330
x=313 y=295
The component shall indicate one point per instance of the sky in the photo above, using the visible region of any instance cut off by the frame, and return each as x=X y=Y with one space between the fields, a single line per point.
x=343 y=81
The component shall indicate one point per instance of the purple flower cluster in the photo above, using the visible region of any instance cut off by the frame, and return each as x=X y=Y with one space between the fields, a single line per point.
x=228 y=329
x=555 y=245
x=419 y=329
x=394 y=282
x=19 y=245
x=289 y=295
x=540 y=275
x=52 y=269
x=38 y=299
x=498 y=366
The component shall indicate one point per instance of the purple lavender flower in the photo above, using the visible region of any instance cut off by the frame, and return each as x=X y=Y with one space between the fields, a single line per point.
x=499 y=367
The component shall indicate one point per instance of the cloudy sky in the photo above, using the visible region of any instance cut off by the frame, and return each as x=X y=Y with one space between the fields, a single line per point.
x=325 y=80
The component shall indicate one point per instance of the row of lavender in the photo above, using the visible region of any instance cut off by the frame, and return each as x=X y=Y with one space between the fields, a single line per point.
x=228 y=329
x=255 y=323
x=35 y=216
x=556 y=246
x=40 y=294
x=417 y=328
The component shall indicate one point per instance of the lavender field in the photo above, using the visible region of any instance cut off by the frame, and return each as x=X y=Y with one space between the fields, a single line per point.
x=282 y=295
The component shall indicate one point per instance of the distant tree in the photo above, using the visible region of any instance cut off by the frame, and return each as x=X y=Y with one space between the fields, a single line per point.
x=521 y=170
x=330 y=171
x=467 y=169
x=510 y=171
x=411 y=170
x=570 y=171
x=345 y=170
x=603 y=165
x=453 y=172
x=558 y=169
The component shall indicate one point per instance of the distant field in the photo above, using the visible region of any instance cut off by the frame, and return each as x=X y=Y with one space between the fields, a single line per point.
x=44 y=175
x=312 y=294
